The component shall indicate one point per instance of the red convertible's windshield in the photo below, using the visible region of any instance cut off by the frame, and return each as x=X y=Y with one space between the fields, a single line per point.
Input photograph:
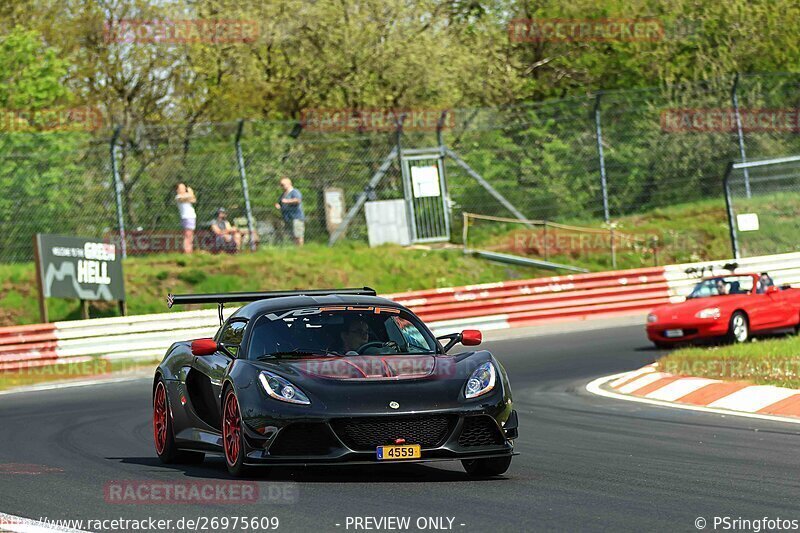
x=723 y=286
x=339 y=330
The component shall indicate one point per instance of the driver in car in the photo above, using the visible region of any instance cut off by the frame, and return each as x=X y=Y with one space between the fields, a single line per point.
x=722 y=287
x=764 y=281
x=355 y=335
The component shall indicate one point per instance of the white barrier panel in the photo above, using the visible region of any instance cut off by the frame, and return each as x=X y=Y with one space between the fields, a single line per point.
x=783 y=268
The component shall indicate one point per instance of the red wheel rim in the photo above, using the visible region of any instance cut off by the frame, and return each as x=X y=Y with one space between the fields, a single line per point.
x=160 y=418
x=231 y=429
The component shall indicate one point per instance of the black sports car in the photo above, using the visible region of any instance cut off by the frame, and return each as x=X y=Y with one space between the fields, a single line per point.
x=330 y=377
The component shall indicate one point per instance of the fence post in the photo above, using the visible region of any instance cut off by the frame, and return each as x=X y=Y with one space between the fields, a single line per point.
x=729 y=209
x=118 y=193
x=245 y=191
x=408 y=192
x=735 y=101
x=599 y=136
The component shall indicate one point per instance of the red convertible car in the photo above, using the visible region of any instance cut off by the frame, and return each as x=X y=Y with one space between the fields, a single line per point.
x=732 y=308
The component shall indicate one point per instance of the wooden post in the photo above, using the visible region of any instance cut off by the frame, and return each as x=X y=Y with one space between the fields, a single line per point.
x=613 y=249
x=84 y=309
x=40 y=280
x=123 y=307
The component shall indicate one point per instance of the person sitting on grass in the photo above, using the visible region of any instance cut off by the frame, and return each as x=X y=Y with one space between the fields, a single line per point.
x=229 y=238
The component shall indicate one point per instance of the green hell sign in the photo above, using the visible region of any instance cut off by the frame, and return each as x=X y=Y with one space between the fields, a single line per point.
x=76 y=267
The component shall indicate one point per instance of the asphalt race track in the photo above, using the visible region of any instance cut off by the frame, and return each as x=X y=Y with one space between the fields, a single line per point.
x=586 y=463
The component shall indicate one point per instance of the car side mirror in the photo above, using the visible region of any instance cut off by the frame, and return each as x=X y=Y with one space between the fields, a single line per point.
x=468 y=337
x=204 y=347
x=471 y=337
x=772 y=289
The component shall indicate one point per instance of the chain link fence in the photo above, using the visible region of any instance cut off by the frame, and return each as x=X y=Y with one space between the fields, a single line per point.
x=763 y=200
x=584 y=161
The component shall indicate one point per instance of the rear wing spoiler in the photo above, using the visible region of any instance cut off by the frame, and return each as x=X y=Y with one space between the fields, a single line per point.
x=222 y=298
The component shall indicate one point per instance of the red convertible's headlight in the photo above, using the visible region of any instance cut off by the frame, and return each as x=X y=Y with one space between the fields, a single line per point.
x=711 y=312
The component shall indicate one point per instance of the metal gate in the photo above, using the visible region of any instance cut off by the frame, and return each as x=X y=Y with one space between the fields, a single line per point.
x=426 y=195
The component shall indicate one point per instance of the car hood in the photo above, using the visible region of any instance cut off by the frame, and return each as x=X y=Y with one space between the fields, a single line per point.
x=368 y=367
x=336 y=392
x=692 y=306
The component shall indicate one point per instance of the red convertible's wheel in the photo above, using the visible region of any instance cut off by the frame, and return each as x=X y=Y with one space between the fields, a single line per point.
x=232 y=437
x=739 y=328
x=163 y=434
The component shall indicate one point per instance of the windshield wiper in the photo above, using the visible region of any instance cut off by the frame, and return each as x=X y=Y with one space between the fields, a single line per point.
x=297 y=352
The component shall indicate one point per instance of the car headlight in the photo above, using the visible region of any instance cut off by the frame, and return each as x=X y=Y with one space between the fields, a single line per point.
x=282 y=389
x=710 y=312
x=652 y=318
x=481 y=381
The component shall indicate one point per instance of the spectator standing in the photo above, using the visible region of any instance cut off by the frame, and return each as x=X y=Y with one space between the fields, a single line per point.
x=229 y=238
x=290 y=204
x=185 y=198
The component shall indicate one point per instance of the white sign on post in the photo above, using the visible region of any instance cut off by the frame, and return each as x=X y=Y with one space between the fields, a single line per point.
x=425 y=181
x=747 y=222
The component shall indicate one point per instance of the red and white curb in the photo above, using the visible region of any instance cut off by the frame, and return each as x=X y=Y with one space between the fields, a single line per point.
x=648 y=385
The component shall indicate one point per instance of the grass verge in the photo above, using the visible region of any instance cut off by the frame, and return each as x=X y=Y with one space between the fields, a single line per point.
x=771 y=361
x=148 y=279
x=682 y=233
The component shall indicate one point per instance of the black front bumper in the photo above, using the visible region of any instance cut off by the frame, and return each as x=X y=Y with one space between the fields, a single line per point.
x=442 y=436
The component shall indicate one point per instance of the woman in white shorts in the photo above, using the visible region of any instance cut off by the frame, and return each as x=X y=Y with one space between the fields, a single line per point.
x=185 y=197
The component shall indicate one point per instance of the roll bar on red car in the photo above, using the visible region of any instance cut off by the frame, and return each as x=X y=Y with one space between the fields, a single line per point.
x=222 y=298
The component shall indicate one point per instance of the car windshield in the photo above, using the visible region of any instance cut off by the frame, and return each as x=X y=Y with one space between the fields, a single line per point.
x=722 y=286
x=339 y=330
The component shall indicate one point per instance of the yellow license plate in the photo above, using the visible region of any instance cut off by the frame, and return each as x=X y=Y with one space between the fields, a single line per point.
x=396 y=453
